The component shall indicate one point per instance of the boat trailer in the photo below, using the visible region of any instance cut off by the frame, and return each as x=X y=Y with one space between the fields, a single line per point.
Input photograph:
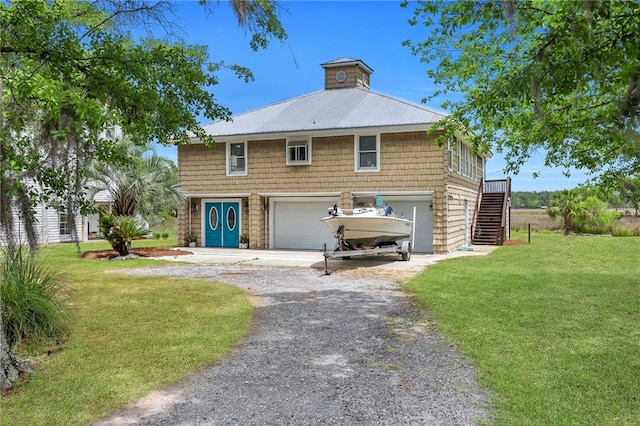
x=346 y=251
x=403 y=249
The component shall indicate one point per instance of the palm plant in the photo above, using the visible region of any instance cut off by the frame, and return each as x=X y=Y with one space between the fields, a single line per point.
x=120 y=231
x=568 y=204
x=142 y=182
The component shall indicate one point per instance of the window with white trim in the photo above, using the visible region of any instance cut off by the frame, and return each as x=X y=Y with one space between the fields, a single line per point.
x=298 y=152
x=467 y=165
x=450 y=155
x=367 y=153
x=237 y=158
x=63 y=222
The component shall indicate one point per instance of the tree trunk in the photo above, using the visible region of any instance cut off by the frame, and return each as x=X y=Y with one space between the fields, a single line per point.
x=123 y=248
x=10 y=365
x=568 y=224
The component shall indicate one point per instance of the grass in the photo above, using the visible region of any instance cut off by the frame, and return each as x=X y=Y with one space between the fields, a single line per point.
x=537 y=218
x=552 y=326
x=131 y=335
x=626 y=226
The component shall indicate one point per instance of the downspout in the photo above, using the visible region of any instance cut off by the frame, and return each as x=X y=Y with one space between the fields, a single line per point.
x=189 y=209
x=266 y=222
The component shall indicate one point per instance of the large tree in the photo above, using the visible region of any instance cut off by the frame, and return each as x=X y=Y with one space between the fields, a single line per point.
x=69 y=71
x=558 y=76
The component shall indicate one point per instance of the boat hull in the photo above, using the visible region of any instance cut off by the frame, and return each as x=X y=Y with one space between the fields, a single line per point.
x=370 y=231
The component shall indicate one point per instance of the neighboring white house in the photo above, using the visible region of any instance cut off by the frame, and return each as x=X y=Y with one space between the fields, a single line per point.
x=52 y=226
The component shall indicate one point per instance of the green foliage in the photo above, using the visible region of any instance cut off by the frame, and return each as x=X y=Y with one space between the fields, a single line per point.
x=32 y=299
x=127 y=340
x=144 y=183
x=629 y=192
x=120 y=231
x=596 y=218
x=561 y=76
x=165 y=235
x=530 y=200
x=568 y=205
x=72 y=72
x=156 y=235
x=191 y=238
x=551 y=327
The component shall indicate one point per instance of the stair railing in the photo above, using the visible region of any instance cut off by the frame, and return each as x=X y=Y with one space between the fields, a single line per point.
x=505 y=208
x=475 y=209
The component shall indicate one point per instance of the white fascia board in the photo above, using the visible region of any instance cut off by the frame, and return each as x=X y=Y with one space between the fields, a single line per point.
x=414 y=194
x=322 y=132
x=220 y=195
x=299 y=194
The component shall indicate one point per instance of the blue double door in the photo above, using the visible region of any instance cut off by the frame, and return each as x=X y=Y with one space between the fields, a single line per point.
x=222 y=224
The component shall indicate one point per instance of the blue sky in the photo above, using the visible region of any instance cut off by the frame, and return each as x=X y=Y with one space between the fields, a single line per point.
x=321 y=31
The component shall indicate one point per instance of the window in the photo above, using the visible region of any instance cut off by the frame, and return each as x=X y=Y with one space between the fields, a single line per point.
x=467 y=165
x=367 y=153
x=63 y=222
x=449 y=155
x=298 y=152
x=237 y=158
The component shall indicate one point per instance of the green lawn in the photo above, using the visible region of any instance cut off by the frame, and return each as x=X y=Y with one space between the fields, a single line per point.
x=553 y=327
x=131 y=335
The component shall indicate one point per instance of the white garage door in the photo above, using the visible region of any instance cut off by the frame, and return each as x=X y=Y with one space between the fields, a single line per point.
x=296 y=223
x=424 y=221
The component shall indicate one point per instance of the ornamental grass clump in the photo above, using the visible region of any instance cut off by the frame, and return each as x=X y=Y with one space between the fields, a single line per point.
x=33 y=300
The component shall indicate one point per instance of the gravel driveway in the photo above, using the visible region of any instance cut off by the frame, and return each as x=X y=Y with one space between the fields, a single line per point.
x=332 y=350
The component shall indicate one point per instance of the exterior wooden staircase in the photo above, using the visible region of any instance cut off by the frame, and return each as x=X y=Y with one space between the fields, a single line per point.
x=491 y=216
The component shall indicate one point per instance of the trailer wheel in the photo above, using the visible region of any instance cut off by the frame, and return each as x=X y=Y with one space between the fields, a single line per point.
x=406 y=251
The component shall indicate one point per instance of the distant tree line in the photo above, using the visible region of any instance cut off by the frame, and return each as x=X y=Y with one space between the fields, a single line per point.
x=625 y=195
x=530 y=199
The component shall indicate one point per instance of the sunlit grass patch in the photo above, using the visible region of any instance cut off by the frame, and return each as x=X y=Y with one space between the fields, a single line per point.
x=552 y=326
x=131 y=335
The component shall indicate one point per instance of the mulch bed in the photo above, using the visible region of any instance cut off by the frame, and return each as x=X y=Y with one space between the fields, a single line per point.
x=141 y=252
x=513 y=243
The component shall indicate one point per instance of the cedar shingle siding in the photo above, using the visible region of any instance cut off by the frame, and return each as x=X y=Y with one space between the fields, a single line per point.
x=411 y=163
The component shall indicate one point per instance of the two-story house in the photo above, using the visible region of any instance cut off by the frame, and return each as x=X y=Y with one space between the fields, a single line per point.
x=275 y=171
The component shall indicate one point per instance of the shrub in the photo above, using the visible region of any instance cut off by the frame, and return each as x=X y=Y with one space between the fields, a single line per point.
x=165 y=235
x=596 y=219
x=156 y=235
x=120 y=231
x=33 y=307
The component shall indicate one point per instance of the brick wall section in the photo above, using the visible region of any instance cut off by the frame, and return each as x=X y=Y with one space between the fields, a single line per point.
x=409 y=161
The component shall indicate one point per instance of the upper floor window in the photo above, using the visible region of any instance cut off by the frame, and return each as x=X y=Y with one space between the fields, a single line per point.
x=467 y=165
x=367 y=153
x=237 y=158
x=298 y=152
x=450 y=155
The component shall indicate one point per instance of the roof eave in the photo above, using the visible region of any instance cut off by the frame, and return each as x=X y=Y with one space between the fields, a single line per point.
x=323 y=132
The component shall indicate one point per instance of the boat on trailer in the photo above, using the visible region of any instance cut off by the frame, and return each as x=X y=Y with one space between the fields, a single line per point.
x=368 y=231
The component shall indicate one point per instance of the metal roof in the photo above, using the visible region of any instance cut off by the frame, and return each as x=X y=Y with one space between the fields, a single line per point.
x=346 y=62
x=326 y=110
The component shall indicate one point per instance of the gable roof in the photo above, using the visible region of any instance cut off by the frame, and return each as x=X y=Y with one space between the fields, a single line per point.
x=324 y=111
